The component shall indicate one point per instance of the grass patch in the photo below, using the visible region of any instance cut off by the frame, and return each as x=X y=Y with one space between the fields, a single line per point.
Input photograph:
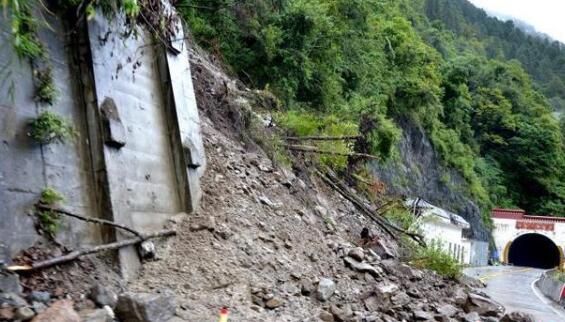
x=49 y=127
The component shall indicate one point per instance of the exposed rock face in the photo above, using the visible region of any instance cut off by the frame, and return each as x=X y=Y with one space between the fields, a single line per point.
x=421 y=174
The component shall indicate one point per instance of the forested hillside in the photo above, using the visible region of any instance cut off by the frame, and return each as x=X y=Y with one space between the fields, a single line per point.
x=542 y=58
x=346 y=67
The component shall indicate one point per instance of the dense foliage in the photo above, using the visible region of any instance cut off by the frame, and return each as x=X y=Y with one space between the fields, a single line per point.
x=368 y=64
x=542 y=58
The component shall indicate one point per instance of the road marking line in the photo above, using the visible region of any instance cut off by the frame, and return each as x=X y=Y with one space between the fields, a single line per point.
x=489 y=276
x=544 y=300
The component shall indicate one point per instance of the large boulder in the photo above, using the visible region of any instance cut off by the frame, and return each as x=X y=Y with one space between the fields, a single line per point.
x=146 y=307
x=483 y=306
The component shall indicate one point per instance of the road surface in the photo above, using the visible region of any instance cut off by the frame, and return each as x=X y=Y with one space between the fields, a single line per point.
x=514 y=288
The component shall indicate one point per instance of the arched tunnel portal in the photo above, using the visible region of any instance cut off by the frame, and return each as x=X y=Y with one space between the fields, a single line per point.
x=534 y=250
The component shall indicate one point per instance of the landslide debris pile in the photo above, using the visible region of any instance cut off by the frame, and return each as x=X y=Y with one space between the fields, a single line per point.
x=269 y=243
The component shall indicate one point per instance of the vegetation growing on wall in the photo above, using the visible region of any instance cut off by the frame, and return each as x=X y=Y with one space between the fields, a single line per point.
x=49 y=127
x=373 y=63
x=49 y=220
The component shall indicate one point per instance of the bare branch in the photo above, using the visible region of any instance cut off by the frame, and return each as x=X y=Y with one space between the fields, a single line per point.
x=86 y=251
x=89 y=219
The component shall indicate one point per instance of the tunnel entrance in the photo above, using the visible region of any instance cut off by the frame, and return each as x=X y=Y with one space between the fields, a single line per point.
x=534 y=250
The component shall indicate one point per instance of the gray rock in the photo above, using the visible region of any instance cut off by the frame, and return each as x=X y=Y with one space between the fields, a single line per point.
x=326 y=316
x=420 y=315
x=386 y=288
x=38 y=307
x=267 y=202
x=12 y=299
x=460 y=297
x=472 y=317
x=382 y=249
x=103 y=296
x=373 y=303
x=357 y=254
x=10 y=283
x=410 y=272
x=24 y=314
x=341 y=314
x=517 y=317
x=326 y=289
x=147 y=249
x=362 y=267
x=400 y=299
x=274 y=303
x=306 y=287
x=39 y=296
x=199 y=223
x=99 y=315
x=145 y=307
x=447 y=310
x=483 y=306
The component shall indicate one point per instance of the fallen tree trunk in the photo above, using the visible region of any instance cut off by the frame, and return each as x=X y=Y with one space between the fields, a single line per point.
x=89 y=219
x=86 y=251
x=331 y=179
x=323 y=138
x=311 y=149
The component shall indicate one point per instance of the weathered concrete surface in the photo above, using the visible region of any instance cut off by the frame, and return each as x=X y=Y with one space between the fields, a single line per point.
x=27 y=168
x=139 y=155
x=513 y=287
x=141 y=174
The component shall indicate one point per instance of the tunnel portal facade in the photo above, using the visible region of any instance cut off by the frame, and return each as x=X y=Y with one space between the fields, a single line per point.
x=531 y=241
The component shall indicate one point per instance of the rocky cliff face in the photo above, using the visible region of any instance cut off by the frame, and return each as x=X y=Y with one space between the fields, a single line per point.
x=419 y=173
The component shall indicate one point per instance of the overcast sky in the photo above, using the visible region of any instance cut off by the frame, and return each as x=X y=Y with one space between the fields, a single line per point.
x=547 y=16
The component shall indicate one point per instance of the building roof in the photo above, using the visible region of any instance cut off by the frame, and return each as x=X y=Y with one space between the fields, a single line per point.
x=444 y=215
x=517 y=214
x=508 y=213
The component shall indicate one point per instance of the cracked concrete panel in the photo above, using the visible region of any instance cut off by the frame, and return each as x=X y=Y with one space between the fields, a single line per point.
x=141 y=173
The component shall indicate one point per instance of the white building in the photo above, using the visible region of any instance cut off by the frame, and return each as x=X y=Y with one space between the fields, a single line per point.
x=439 y=225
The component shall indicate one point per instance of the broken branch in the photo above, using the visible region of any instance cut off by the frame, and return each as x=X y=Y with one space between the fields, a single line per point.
x=331 y=179
x=41 y=206
x=86 y=251
x=311 y=149
x=323 y=138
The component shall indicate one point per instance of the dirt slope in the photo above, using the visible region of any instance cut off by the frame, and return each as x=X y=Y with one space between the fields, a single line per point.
x=265 y=237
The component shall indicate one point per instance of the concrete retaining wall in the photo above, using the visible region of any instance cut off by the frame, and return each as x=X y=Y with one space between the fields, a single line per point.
x=139 y=154
x=550 y=286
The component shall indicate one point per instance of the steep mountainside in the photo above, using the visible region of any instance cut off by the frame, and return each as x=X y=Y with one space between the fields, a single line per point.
x=542 y=57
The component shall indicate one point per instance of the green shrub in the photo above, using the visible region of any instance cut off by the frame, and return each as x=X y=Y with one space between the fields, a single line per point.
x=24 y=27
x=433 y=257
x=50 y=196
x=49 y=127
x=49 y=220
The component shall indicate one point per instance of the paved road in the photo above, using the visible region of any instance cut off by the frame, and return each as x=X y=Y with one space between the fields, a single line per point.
x=513 y=287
